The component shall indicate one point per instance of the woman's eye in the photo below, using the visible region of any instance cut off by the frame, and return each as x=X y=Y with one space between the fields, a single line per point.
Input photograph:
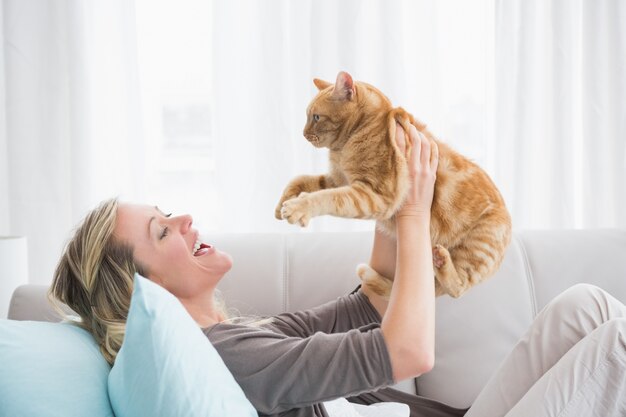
x=316 y=117
x=164 y=233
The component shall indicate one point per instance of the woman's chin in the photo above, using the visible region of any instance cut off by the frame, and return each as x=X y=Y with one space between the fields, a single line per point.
x=227 y=259
x=217 y=264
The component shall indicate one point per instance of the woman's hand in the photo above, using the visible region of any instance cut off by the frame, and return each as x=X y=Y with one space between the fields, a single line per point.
x=422 y=159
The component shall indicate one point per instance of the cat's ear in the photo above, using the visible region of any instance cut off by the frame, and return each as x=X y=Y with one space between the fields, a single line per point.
x=321 y=84
x=344 y=87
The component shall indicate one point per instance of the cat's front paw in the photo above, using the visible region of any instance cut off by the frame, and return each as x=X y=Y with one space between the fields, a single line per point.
x=297 y=210
x=278 y=211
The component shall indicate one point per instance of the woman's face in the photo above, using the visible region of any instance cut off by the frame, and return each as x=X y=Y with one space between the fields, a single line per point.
x=166 y=245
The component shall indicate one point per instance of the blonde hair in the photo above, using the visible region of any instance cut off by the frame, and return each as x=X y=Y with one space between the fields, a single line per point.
x=94 y=277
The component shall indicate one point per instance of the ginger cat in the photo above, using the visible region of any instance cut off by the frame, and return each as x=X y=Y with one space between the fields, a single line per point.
x=368 y=179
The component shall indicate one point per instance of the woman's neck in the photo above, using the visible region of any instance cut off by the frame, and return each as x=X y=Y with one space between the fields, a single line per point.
x=203 y=310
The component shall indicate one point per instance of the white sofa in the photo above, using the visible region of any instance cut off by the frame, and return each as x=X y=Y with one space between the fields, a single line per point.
x=285 y=272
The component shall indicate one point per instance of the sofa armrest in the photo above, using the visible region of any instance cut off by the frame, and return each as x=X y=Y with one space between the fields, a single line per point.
x=30 y=302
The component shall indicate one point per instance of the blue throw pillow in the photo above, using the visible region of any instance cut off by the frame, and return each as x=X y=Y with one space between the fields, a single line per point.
x=167 y=366
x=51 y=370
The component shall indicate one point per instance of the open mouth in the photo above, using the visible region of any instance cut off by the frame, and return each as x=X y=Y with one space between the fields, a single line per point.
x=200 y=249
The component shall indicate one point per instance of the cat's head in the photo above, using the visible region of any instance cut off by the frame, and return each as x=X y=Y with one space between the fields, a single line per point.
x=338 y=107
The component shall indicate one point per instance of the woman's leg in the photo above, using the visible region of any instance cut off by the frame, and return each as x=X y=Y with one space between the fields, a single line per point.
x=564 y=322
x=589 y=380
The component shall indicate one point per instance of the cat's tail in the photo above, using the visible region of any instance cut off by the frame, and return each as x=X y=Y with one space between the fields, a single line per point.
x=375 y=282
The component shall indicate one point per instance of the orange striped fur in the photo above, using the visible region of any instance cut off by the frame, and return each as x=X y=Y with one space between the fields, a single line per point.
x=368 y=179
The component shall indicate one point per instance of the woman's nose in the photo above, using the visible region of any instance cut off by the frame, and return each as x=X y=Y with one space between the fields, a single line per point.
x=185 y=222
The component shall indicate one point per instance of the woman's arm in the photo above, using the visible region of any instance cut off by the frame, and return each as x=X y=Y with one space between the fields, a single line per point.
x=279 y=372
x=383 y=261
x=384 y=249
x=343 y=314
x=408 y=323
x=383 y=257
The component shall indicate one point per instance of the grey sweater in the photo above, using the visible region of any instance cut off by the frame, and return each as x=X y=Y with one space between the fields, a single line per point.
x=289 y=366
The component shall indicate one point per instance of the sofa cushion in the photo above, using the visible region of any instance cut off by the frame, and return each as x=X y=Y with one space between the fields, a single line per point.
x=167 y=366
x=559 y=259
x=476 y=331
x=51 y=370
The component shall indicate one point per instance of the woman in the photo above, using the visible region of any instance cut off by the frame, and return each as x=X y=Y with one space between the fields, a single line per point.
x=368 y=342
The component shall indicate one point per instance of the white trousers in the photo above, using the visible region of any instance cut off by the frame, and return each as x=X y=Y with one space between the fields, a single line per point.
x=570 y=362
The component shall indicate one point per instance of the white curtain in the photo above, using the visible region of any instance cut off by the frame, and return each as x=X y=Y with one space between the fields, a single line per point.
x=560 y=112
x=71 y=119
x=428 y=56
x=95 y=94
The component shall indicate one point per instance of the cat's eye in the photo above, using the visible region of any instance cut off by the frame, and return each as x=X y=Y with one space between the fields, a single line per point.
x=316 y=117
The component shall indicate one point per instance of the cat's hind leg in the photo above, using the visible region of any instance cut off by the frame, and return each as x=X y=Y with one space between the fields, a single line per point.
x=372 y=280
x=447 y=279
x=380 y=284
x=471 y=262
